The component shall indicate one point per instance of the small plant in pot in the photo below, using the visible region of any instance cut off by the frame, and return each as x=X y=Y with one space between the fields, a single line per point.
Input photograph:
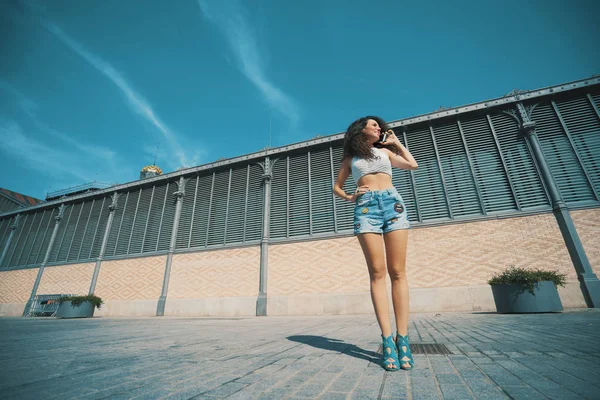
x=78 y=306
x=520 y=290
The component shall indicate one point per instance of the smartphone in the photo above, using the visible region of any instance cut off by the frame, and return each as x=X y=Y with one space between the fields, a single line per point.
x=382 y=138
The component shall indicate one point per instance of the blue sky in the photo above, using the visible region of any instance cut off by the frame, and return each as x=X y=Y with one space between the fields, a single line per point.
x=90 y=89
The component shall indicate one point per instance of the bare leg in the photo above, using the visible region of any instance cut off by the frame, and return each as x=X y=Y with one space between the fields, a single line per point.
x=395 y=249
x=372 y=246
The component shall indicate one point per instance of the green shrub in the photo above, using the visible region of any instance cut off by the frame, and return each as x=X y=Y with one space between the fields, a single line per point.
x=529 y=278
x=77 y=300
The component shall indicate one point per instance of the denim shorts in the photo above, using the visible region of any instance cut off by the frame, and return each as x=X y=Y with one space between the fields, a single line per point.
x=380 y=211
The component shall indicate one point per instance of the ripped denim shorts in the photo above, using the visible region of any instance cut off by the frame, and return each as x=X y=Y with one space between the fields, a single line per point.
x=380 y=211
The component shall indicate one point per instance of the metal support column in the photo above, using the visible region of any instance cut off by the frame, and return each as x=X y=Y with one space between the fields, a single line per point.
x=61 y=213
x=261 y=301
x=13 y=228
x=160 y=308
x=111 y=215
x=589 y=283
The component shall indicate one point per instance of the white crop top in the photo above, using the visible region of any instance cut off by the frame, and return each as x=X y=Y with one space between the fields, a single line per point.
x=362 y=166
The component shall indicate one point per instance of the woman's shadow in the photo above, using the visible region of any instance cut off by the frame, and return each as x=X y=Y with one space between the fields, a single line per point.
x=340 y=346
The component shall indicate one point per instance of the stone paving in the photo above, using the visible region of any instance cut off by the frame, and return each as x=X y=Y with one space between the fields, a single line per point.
x=332 y=357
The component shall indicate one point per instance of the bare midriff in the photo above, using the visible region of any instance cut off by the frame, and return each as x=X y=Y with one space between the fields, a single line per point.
x=377 y=181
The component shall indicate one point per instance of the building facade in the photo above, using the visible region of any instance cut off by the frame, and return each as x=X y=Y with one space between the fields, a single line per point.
x=509 y=181
x=10 y=200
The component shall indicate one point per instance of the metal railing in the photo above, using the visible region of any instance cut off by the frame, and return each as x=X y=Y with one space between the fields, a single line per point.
x=78 y=189
x=45 y=305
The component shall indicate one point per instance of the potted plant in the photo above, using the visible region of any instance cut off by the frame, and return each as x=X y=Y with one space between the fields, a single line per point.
x=519 y=290
x=78 y=306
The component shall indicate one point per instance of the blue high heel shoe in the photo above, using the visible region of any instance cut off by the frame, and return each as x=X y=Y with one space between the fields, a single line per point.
x=390 y=354
x=405 y=355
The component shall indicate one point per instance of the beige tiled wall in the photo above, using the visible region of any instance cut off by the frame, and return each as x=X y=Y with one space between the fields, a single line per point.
x=219 y=273
x=67 y=279
x=15 y=286
x=131 y=279
x=320 y=266
x=470 y=253
x=587 y=223
x=446 y=256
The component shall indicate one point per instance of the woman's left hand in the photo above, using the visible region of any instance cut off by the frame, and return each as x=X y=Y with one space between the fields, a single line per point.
x=391 y=139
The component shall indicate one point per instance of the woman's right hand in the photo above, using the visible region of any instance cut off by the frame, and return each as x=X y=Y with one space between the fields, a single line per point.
x=359 y=191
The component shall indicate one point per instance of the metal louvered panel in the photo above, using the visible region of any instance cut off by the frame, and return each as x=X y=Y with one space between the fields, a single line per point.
x=187 y=212
x=70 y=225
x=5 y=225
x=227 y=205
x=596 y=100
x=299 y=211
x=153 y=222
x=333 y=177
x=147 y=214
x=343 y=208
x=168 y=215
x=560 y=155
x=402 y=181
x=490 y=174
x=430 y=189
x=73 y=237
x=279 y=201
x=32 y=234
x=100 y=227
x=115 y=229
x=201 y=210
x=320 y=184
x=15 y=246
x=13 y=243
x=46 y=237
x=237 y=205
x=23 y=239
x=218 y=209
x=66 y=232
x=20 y=234
x=460 y=183
x=127 y=223
x=82 y=233
x=525 y=177
x=165 y=224
x=254 y=211
x=140 y=221
x=39 y=237
x=583 y=124
x=7 y=205
x=60 y=233
x=76 y=241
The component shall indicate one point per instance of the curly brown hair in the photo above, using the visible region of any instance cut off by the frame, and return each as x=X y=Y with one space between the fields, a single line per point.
x=355 y=143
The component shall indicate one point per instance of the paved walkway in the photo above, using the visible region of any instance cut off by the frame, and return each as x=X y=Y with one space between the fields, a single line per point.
x=335 y=357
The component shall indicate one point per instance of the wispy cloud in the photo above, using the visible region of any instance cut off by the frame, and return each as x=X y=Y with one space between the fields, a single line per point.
x=60 y=159
x=39 y=156
x=135 y=100
x=30 y=108
x=229 y=17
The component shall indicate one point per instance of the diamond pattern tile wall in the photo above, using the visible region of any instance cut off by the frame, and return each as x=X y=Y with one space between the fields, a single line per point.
x=74 y=278
x=587 y=223
x=320 y=266
x=219 y=273
x=445 y=256
x=470 y=253
x=131 y=279
x=15 y=286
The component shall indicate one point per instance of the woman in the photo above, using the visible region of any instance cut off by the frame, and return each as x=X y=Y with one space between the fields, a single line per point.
x=380 y=219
